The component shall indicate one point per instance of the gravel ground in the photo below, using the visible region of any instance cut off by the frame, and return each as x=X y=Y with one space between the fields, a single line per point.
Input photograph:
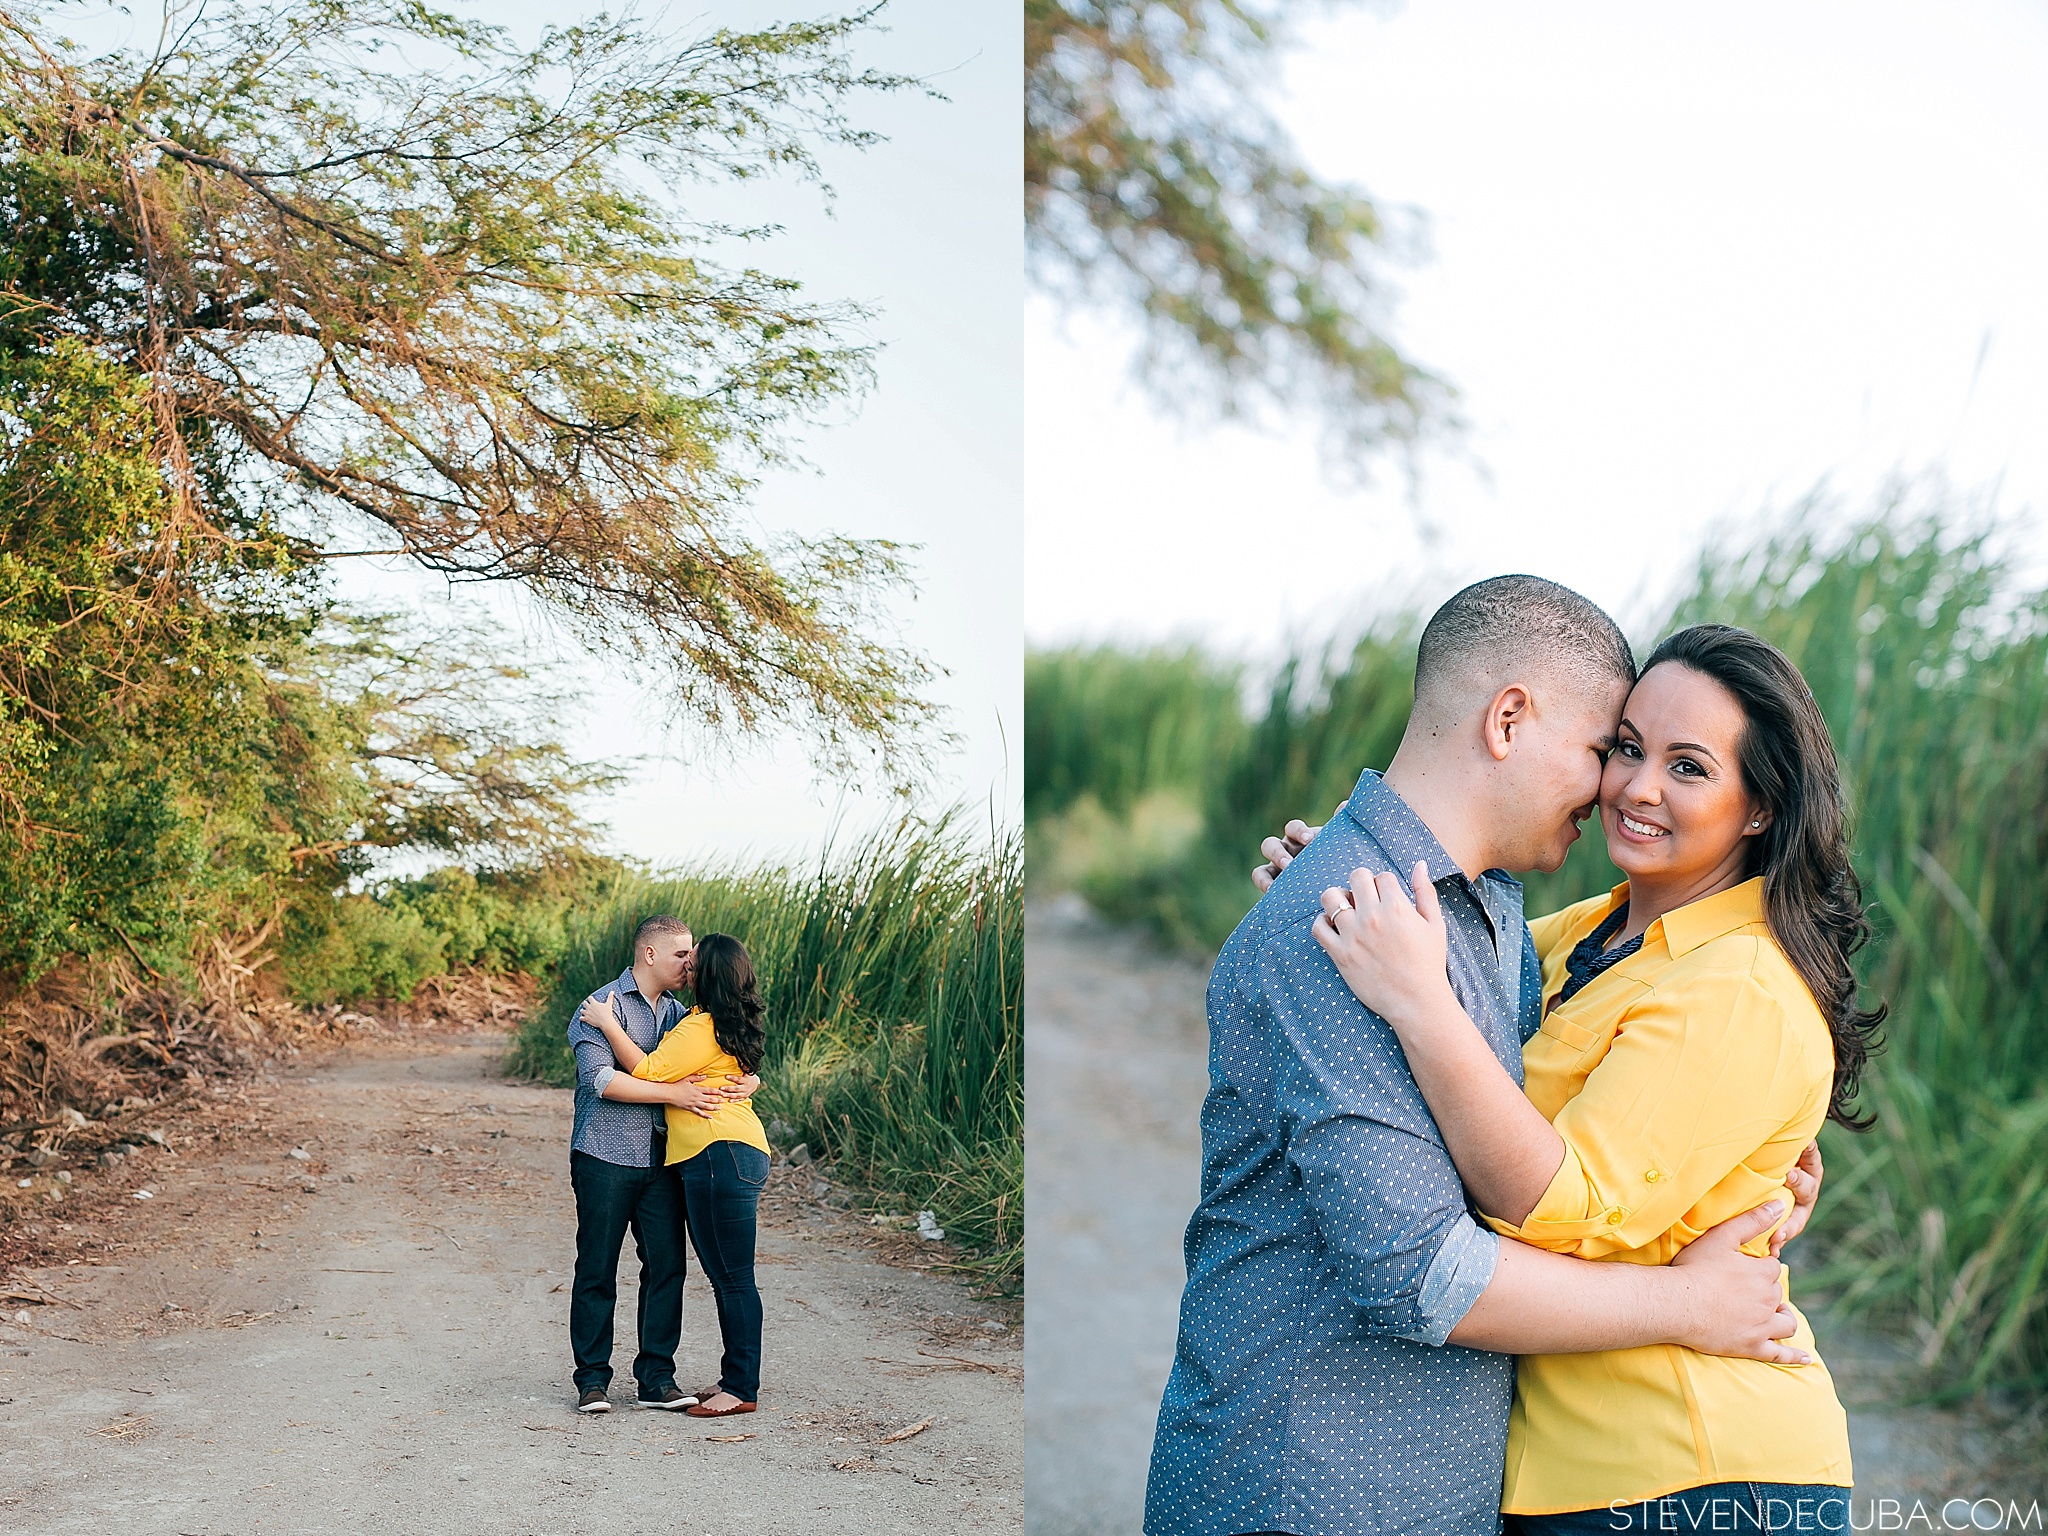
x=374 y=1338
x=1116 y=1051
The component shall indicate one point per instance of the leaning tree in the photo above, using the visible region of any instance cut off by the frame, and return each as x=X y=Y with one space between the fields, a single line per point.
x=385 y=274
x=311 y=280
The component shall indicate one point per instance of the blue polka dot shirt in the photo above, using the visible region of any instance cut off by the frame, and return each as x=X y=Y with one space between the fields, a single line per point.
x=1333 y=1249
x=610 y=1129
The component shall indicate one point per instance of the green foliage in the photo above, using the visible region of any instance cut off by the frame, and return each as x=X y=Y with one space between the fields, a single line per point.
x=1118 y=725
x=1146 y=838
x=382 y=943
x=362 y=948
x=441 y=738
x=134 y=696
x=894 y=982
x=1931 y=666
x=212 y=808
x=1154 y=176
x=1935 y=1226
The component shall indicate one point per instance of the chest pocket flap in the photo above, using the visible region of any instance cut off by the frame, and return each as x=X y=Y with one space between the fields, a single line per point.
x=1593 y=1012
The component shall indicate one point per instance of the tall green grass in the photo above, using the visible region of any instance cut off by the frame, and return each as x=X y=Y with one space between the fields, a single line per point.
x=1147 y=843
x=1931 y=666
x=894 y=981
x=1128 y=724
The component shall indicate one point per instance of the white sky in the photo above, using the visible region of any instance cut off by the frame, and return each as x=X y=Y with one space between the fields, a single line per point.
x=1688 y=260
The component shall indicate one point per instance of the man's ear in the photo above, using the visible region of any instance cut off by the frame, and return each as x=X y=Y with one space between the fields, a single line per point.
x=1510 y=710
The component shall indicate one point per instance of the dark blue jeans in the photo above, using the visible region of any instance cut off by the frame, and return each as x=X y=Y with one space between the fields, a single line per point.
x=1750 y=1507
x=722 y=1189
x=609 y=1199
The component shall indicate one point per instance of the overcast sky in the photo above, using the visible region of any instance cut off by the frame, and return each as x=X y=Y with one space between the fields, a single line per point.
x=1688 y=261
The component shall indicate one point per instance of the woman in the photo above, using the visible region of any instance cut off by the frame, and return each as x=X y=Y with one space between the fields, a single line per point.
x=1700 y=1022
x=721 y=1155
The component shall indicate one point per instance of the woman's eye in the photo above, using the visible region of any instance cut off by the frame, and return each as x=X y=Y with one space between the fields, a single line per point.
x=1688 y=767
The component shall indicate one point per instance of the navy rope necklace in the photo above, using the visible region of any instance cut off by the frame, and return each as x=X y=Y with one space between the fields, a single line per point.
x=1591 y=957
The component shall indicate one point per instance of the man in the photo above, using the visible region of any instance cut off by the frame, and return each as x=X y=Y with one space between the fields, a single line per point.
x=617 y=1167
x=1345 y=1363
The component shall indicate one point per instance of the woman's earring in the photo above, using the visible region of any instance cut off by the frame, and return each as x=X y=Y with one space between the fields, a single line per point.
x=1756 y=823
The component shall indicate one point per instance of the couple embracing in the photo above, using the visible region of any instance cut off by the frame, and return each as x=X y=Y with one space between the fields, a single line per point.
x=1490 y=1209
x=665 y=1141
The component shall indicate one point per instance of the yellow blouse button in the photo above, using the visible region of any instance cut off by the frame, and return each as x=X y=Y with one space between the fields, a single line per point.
x=1652 y=1177
x=1616 y=1216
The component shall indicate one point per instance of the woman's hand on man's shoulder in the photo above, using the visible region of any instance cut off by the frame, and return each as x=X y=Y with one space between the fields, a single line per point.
x=1281 y=851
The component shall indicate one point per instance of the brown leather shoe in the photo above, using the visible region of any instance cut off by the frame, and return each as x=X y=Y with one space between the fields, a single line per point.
x=699 y=1411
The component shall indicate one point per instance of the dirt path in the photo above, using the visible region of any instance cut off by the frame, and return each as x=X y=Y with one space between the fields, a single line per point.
x=374 y=1338
x=1117 y=1047
x=1116 y=1055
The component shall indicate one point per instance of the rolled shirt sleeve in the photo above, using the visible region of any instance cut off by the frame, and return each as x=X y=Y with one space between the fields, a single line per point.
x=595 y=1064
x=1382 y=1190
x=1700 y=1078
x=1462 y=1269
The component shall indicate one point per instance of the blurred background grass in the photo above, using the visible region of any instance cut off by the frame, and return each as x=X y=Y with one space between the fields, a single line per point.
x=894 y=977
x=1152 y=774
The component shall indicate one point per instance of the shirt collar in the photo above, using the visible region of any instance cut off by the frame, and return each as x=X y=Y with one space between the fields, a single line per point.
x=631 y=987
x=1725 y=912
x=1404 y=836
x=1686 y=928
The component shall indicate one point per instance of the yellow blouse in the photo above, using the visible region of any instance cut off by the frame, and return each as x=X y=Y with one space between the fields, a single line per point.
x=690 y=1049
x=1685 y=1082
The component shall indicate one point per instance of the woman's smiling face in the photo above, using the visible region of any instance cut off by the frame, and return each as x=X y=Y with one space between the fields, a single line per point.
x=1672 y=800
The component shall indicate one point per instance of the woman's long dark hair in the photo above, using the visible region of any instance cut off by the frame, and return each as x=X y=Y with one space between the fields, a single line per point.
x=726 y=990
x=1813 y=901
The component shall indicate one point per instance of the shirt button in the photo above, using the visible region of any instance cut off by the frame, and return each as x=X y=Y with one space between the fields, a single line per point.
x=1616 y=1217
x=1652 y=1177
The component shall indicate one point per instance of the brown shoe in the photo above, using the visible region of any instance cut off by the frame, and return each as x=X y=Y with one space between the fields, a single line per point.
x=699 y=1411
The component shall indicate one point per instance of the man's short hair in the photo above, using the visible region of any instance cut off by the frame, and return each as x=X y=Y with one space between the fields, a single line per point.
x=652 y=928
x=1499 y=626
